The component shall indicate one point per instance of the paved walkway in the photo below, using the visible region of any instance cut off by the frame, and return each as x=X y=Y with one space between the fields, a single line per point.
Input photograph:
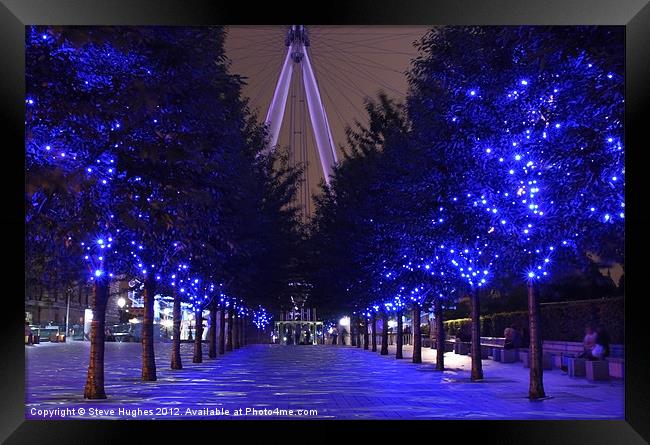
x=337 y=381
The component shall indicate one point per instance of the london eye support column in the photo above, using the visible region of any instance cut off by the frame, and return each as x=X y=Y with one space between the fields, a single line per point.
x=297 y=41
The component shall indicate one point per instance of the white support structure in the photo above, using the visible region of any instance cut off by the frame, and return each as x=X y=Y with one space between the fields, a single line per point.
x=279 y=101
x=297 y=43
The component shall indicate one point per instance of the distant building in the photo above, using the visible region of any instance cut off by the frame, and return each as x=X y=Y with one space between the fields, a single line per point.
x=45 y=306
x=297 y=323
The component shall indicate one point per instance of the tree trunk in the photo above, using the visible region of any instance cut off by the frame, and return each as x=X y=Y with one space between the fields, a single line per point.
x=384 y=334
x=536 y=388
x=477 y=365
x=235 y=331
x=374 y=332
x=148 y=353
x=242 y=331
x=176 y=341
x=398 y=336
x=231 y=317
x=358 y=332
x=222 y=330
x=212 y=347
x=95 y=381
x=440 y=337
x=365 y=333
x=417 y=337
x=198 y=337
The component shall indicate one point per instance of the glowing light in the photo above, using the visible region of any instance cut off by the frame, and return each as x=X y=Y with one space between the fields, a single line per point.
x=98 y=273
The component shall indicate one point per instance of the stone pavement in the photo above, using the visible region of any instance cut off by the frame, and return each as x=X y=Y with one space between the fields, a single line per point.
x=341 y=382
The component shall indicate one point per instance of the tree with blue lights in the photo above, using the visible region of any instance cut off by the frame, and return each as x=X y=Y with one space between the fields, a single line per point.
x=136 y=142
x=538 y=112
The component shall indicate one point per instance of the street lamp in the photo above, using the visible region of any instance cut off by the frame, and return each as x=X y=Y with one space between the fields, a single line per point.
x=121 y=302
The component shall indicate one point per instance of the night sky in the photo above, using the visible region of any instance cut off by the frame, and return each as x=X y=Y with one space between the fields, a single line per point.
x=350 y=63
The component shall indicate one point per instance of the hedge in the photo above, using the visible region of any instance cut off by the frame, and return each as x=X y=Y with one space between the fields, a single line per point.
x=564 y=321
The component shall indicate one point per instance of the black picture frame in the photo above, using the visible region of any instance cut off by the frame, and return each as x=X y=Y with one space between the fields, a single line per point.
x=633 y=14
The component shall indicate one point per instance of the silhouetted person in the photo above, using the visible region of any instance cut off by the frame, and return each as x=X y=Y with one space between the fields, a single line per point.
x=589 y=342
x=508 y=343
x=343 y=334
x=601 y=349
x=334 y=335
x=28 y=334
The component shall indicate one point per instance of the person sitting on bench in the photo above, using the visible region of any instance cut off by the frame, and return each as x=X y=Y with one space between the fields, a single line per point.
x=508 y=343
x=513 y=339
x=601 y=349
x=589 y=342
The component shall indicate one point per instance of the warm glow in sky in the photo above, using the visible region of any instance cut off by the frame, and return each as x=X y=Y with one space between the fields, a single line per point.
x=351 y=63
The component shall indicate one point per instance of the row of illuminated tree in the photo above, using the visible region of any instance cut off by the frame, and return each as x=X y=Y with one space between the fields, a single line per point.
x=505 y=163
x=143 y=161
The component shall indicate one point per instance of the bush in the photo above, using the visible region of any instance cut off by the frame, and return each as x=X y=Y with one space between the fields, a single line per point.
x=563 y=321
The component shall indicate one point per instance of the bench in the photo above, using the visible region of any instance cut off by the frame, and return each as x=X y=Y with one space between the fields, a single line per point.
x=616 y=367
x=488 y=347
x=597 y=370
x=563 y=352
x=461 y=347
x=547 y=359
x=509 y=355
x=576 y=367
x=495 y=347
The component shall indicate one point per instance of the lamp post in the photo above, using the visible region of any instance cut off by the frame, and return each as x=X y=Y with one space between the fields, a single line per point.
x=67 y=315
x=121 y=302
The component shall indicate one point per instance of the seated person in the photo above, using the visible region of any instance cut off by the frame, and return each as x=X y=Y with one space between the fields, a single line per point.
x=509 y=339
x=588 y=342
x=601 y=349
